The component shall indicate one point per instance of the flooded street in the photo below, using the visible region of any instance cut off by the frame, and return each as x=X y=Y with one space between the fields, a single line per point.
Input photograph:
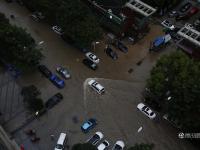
x=57 y=52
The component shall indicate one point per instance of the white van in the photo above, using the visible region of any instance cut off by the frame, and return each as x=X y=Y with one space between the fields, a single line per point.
x=61 y=142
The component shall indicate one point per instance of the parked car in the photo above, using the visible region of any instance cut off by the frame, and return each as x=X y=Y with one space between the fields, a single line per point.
x=37 y=16
x=63 y=72
x=121 y=46
x=185 y=7
x=182 y=17
x=173 y=13
x=193 y=11
x=88 y=125
x=95 y=138
x=45 y=71
x=57 y=81
x=90 y=64
x=61 y=142
x=111 y=53
x=53 y=100
x=92 y=57
x=119 y=145
x=168 y=25
x=96 y=86
x=57 y=30
x=146 y=110
x=104 y=145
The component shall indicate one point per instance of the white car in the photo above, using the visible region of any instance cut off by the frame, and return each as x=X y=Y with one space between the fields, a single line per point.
x=168 y=25
x=119 y=145
x=61 y=142
x=92 y=57
x=57 y=29
x=104 y=145
x=146 y=110
x=95 y=138
x=96 y=86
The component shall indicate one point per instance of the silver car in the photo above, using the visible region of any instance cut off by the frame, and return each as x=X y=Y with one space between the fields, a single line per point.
x=63 y=72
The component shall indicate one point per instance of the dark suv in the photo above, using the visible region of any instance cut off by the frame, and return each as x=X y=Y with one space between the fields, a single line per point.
x=90 y=64
x=53 y=100
x=45 y=71
x=121 y=46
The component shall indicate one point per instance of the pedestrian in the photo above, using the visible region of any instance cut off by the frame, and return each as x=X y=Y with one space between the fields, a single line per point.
x=52 y=137
x=22 y=147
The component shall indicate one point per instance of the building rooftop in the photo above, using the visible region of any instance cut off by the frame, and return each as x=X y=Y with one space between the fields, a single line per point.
x=190 y=34
x=141 y=7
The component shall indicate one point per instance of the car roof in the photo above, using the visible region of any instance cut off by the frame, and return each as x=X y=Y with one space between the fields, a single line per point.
x=102 y=145
x=99 y=134
x=121 y=143
x=99 y=86
x=61 y=138
x=86 y=125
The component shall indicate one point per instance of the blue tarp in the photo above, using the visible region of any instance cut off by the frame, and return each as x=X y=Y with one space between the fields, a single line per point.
x=158 y=41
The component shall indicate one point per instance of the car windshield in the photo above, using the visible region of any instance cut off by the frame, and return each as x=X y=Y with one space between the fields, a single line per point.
x=54 y=98
x=94 y=139
x=93 y=65
x=93 y=56
x=144 y=107
x=151 y=114
x=105 y=143
x=167 y=22
x=58 y=146
x=65 y=72
x=117 y=147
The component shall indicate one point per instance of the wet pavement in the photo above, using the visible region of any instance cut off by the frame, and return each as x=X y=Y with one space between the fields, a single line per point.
x=70 y=113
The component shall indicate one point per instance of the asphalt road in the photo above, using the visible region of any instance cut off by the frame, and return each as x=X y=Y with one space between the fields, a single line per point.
x=115 y=111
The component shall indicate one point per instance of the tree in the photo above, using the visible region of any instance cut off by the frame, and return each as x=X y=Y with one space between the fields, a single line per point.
x=77 y=21
x=18 y=47
x=142 y=146
x=85 y=146
x=30 y=95
x=3 y=20
x=177 y=76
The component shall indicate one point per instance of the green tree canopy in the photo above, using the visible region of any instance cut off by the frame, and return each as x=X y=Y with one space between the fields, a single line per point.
x=177 y=76
x=85 y=146
x=142 y=146
x=17 y=47
x=75 y=18
x=30 y=95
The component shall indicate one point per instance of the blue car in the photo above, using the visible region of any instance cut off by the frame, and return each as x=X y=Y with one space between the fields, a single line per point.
x=88 y=125
x=57 y=81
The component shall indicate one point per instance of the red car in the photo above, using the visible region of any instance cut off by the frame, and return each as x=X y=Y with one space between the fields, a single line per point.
x=193 y=11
